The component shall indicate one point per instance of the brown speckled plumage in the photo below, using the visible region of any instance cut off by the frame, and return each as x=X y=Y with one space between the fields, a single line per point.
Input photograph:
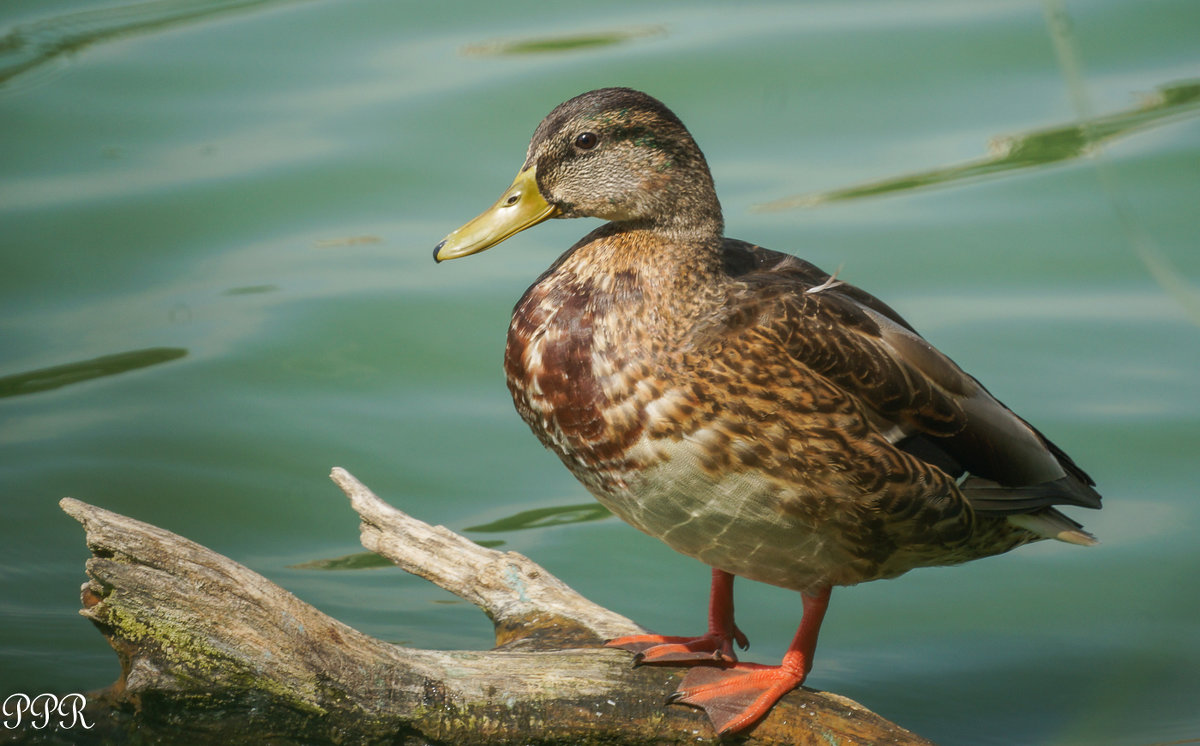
x=741 y=404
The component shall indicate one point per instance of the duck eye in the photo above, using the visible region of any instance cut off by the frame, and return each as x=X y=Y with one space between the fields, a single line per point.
x=586 y=140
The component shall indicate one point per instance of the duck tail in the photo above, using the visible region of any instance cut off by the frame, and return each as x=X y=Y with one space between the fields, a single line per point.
x=1051 y=524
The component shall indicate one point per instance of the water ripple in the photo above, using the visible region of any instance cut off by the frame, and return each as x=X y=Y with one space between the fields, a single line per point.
x=33 y=45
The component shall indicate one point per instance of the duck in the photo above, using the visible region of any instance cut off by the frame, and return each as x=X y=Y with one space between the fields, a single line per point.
x=740 y=404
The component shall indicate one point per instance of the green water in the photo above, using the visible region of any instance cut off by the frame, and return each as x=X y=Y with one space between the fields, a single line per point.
x=216 y=221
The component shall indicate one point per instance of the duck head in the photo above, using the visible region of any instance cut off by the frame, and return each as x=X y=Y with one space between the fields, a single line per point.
x=613 y=153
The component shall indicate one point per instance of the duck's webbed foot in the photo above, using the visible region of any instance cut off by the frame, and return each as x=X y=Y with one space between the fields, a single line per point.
x=714 y=647
x=735 y=698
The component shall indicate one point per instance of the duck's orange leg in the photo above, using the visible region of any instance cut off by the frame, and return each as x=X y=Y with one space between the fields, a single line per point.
x=738 y=697
x=714 y=647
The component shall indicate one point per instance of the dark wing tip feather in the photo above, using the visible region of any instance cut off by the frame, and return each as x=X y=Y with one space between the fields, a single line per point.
x=990 y=497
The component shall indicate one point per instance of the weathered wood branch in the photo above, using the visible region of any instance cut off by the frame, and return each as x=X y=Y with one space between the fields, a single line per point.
x=529 y=606
x=210 y=650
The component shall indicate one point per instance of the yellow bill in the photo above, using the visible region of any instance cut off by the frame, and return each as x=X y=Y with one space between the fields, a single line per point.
x=521 y=206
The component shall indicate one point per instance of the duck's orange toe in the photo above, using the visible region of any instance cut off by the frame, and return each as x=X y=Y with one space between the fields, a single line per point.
x=710 y=648
x=736 y=698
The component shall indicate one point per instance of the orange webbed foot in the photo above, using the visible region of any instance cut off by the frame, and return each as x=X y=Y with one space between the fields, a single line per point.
x=736 y=698
x=712 y=648
x=734 y=695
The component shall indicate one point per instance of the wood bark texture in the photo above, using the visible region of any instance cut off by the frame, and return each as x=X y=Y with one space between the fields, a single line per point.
x=211 y=651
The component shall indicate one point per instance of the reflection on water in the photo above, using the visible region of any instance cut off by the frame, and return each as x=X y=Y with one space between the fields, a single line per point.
x=564 y=43
x=29 y=46
x=356 y=561
x=45 y=379
x=526 y=519
x=543 y=517
x=1035 y=148
x=251 y=290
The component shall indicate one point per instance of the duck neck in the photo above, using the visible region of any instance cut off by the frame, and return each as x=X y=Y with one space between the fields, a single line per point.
x=666 y=277
x=685 y=207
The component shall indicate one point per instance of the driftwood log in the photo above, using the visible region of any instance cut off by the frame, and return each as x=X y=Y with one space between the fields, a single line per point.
x=212 y=652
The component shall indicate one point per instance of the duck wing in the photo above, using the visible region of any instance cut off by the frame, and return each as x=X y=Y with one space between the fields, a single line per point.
x=916 y=396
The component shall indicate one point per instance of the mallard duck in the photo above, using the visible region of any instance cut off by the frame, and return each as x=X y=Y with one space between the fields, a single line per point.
x=742 y=405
